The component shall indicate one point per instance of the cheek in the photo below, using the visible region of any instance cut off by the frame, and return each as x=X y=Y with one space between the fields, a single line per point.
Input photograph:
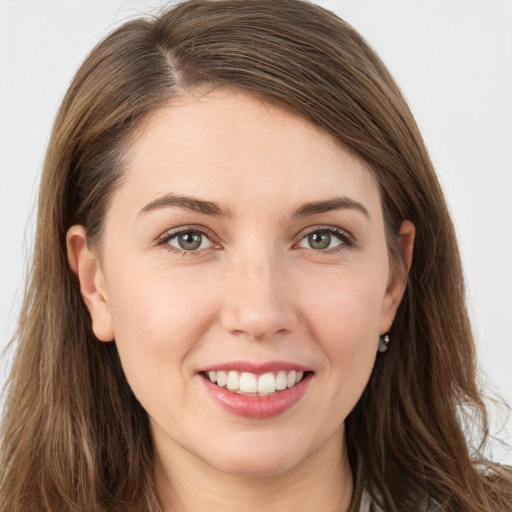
x=154 y=333
x=342 y=310
x=345 y=308
x=157 y=302
x=343 y=315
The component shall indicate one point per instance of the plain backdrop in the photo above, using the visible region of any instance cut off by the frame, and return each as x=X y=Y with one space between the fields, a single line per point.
x=452 y=59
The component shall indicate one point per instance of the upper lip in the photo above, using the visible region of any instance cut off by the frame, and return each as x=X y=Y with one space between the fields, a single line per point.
x=258 y=368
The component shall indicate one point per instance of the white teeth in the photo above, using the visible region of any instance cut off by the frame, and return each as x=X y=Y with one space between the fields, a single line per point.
x=291 y=379
x=221 y=379
x=266 y=383
x=233 y=382
x=281 y=381
x=250 y=383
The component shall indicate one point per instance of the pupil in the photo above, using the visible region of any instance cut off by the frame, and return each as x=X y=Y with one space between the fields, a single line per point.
x=320 y=240
x=190 y=241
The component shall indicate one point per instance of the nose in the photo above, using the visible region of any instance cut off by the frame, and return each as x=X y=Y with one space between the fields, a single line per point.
x=258 y=298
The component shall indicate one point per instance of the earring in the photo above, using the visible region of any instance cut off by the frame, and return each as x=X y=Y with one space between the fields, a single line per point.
x=383 y=342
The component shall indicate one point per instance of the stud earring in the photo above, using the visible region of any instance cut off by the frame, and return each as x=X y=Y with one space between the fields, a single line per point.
x=383 y=342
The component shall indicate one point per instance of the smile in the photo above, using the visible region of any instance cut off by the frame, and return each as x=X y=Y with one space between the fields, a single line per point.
x=247 y=383
x=256 y=391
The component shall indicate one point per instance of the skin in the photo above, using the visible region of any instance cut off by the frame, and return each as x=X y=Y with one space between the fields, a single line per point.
x=255 y=290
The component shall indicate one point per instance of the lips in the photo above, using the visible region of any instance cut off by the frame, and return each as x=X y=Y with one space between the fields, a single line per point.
x=256 y=390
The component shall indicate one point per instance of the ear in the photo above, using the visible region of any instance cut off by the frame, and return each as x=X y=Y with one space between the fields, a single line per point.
x=86 y=266
x=398 y=277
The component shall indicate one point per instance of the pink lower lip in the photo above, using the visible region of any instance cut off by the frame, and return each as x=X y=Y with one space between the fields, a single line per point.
x=261 y=407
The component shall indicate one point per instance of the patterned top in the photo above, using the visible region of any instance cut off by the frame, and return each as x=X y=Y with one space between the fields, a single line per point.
x=367 y=504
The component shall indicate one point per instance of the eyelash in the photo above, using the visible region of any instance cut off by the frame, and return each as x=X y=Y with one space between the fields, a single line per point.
x=345 y=238
x=169 y=235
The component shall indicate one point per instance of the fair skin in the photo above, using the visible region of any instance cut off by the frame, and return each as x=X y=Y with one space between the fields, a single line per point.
x=288 y=268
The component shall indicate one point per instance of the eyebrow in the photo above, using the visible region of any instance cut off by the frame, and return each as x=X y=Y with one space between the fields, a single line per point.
x=211 y=208
x=188 y=203
x=336 y=203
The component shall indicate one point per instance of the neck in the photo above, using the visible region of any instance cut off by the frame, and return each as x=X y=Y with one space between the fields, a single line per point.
x=323 y=481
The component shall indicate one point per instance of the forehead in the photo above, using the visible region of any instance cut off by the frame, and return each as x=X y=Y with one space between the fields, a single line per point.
x=235 y=145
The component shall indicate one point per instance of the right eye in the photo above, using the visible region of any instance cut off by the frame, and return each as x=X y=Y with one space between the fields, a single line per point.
x=188 y=240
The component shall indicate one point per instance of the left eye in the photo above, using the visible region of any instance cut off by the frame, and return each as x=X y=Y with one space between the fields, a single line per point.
x=322 y=240
x=189 y=241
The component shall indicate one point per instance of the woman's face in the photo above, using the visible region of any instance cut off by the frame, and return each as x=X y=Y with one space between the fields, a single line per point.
x=244 y=246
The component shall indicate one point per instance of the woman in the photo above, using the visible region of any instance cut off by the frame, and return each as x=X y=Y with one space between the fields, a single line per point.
x=246 y=289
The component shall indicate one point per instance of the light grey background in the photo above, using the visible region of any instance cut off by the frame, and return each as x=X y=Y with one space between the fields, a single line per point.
x=452 y=58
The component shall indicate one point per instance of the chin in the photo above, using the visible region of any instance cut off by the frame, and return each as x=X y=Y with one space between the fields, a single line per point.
x=259 y=456
x=253 y=465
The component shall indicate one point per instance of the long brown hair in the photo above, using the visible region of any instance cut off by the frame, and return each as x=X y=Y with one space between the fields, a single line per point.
x=74 y=438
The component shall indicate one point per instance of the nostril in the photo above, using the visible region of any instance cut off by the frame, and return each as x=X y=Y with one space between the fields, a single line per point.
x=260 y=336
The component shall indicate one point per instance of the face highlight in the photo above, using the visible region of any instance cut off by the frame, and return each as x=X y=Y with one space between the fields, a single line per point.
x=245 y=277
